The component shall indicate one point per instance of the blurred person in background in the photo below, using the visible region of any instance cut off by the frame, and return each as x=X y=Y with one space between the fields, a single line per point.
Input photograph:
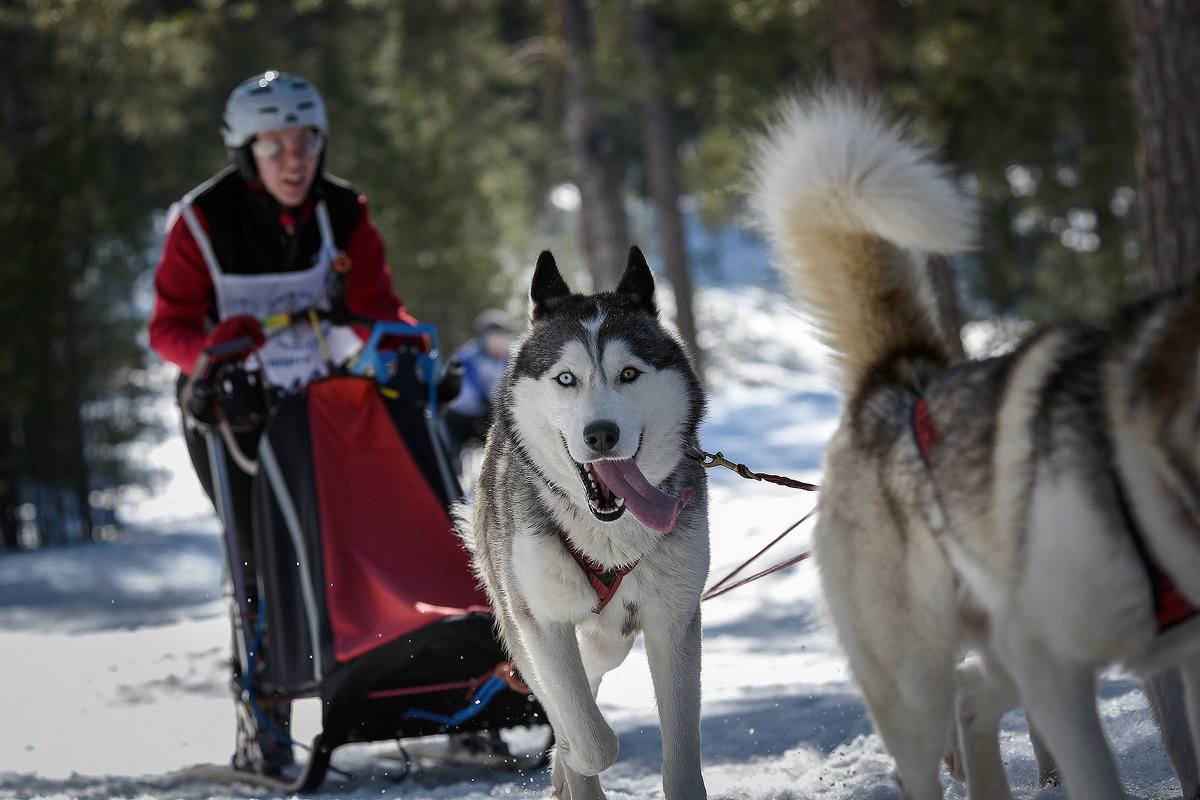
x=483 y=361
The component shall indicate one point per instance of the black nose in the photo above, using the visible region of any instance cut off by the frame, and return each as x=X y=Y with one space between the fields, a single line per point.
x=602 y=436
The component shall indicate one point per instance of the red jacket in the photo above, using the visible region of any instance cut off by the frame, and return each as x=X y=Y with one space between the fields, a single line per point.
x=251 y=233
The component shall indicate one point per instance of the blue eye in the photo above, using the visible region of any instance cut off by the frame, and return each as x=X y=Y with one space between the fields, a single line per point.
x=565 y=379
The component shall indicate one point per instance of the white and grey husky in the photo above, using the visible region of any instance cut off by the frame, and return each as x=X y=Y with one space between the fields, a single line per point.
x=590 y=523
x=1042 y=507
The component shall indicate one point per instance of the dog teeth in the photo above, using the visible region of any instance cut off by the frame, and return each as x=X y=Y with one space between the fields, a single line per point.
x=599 y=496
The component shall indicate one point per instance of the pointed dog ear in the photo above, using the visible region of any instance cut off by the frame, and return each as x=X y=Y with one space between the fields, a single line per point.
x=548 y=289
x=637 y=282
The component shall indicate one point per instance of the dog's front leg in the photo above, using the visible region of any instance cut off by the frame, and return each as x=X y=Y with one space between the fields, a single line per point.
x=585 y=740
x=578 y=787
x=1064 y=696
x=673 y=650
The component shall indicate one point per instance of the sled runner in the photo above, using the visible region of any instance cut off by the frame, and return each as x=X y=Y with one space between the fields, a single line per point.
x=357 y=591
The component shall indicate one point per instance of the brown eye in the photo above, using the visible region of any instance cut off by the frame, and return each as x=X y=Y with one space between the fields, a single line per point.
x=630 y=374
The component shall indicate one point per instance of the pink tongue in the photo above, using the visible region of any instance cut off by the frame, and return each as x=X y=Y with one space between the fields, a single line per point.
x=652 y=507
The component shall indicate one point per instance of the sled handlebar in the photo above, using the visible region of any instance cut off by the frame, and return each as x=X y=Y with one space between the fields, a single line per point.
x=381 y=351
x=376 y=360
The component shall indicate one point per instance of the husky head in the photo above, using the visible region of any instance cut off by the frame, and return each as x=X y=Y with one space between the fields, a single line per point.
x=602 y=398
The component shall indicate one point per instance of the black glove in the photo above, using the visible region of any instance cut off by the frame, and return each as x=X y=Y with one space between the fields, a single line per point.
x=451 y=383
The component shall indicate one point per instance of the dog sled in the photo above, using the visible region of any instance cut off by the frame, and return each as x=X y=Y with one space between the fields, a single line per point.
x=357 y=590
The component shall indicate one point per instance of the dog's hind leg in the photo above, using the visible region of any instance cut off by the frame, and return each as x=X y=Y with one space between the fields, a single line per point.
x=906 y=674
x=1166 y=695
x=1047 y=769
x=913 y=716
x=1189 y=673
x=893 y=604
x=1061 y=699
x=983 y=694
x=673 y=650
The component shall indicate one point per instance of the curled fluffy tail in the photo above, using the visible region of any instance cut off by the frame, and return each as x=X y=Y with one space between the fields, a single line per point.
x=855 y=207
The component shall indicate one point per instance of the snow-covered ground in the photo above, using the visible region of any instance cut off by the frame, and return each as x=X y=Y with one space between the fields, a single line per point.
x=112 y=657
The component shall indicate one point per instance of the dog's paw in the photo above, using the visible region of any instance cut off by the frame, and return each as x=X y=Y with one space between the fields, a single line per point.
x=592 y=754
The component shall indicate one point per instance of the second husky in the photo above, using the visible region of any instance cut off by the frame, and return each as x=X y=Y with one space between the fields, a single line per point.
x=590 y=522
x=1042 y=506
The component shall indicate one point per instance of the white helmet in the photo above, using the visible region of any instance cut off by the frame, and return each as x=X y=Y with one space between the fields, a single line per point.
x=268 y=102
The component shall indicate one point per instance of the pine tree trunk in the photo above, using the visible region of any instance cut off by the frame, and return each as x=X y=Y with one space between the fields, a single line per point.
x=661 y=155
x=1164 y=61
x=8 y=488
x=605 y=228
x=78 y=474
x=857 y=28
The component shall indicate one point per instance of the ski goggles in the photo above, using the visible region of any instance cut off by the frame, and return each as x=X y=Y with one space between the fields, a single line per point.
x=310 y=144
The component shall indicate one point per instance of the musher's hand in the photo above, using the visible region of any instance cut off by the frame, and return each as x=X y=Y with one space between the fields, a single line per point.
x=450 y=383
x=233 y=339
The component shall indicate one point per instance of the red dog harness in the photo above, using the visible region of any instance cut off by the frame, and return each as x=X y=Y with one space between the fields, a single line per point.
x=925 y=430
x=1170 y=607
x=604 y=582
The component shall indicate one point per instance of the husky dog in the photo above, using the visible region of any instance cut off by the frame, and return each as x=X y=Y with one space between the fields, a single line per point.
x=1042 y=507
x=590 y=521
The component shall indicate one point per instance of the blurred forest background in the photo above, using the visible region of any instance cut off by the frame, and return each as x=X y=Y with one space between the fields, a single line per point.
x=483 y=131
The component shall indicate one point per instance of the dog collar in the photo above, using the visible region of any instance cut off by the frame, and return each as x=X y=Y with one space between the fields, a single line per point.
x=604 y=582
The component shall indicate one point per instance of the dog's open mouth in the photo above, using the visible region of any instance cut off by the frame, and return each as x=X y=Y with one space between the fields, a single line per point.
x=605 y=505
x=614 y=486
